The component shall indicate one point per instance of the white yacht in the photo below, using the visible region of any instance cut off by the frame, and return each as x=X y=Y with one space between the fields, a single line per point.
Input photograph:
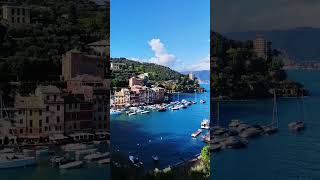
x=115 y=112
x=205 y=124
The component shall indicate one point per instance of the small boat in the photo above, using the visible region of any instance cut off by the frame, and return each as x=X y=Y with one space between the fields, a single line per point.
x=135 y=161
x=8 y=161
x=205 y=124
x=104 y=161
x=296 y=126
x=115 y=112
x=71 y=165
x=139 y=111
x=132 y=113
x=145 y=112
x=162 y=109
x=155 y=158
x=57 y=160
x=174 y=108
x=197 y=133
x=202 y=101
x=96 y=156
x=193 y=102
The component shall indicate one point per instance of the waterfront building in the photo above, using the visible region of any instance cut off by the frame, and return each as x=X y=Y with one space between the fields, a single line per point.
x=159 y=94
x=96 y=90
x=79 y=114
x=122 y=98
x=40 y=115
x=134 y=81
x=262 y=47
x=76 y=63
x=16 y=15
x=142 y=91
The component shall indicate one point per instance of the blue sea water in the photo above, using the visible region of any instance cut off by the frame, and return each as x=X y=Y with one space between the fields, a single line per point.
x=44 y=171
x=166 y=134
x=285 y=155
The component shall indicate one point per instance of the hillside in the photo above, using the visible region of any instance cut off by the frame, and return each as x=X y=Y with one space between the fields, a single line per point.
x=238 y=74
x=299 y=43
x=156 y=72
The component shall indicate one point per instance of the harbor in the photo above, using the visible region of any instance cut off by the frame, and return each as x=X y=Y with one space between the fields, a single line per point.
x=148 y=136
x=286 y=154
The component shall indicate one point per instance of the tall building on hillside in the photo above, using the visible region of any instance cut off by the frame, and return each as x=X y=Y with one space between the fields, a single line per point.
x=76 y=63
x=262 y=47
x=134 y=81
x=14 y=15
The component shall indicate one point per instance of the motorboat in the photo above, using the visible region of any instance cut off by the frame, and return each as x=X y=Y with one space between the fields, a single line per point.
x=202 y=101
x=205 y=124
x=197 y=133
x=74 y=147
x=115 y=112
x=135 y=161
x=132 y=113
x=71 y=165
x=104 y=161
x=12 y=160
x=145 y=112
x=96 y=156
x=155 y=158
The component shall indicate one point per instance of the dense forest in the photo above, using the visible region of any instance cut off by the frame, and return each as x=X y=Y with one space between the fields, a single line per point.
x=157 y=74
x=32 y=52
x=237 y=73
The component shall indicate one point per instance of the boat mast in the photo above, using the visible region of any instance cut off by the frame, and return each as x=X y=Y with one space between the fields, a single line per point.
x=275 y=110
x=218 y=114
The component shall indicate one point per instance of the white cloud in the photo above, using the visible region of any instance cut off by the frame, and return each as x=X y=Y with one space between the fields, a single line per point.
x=161 y=56
x=202 y=64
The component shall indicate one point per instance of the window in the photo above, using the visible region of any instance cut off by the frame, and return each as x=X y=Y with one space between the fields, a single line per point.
x=58 y=107
x=56 y=128
x=18 y=11
x=30 y=112
x=74 y=126
x=21 y=121
x=23 y=11
x=18 y=20
x=40 y=123
x=23 y=20
x=40 y=130
x=49 y=128
x=30 y=123
x=40 y=112
x=46 y=128
x=47 y=119
x=20 y=112
x=58 y=119
x=21 y=131
x=47 y=108
x=55 y=97
x=48 y=97
x=30 y=130
x=70 y=106
x=12 y=19
x=12 y=11
x=75 y=105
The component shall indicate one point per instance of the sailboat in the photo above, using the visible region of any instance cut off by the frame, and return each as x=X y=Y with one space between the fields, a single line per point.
x=273 y=127
x=298 y=125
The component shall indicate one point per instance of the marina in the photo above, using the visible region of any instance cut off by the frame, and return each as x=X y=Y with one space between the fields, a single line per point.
x=148 y=136
x=285 y=154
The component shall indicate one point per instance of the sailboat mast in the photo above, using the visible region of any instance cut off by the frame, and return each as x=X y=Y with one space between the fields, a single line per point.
x=218 y=113
x=275 y=110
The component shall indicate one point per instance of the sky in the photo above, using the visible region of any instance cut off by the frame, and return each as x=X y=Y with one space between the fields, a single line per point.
x=173 y=33
x=246 y=15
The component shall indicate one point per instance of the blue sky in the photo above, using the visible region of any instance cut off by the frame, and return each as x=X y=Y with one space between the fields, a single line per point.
x=174 y=33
